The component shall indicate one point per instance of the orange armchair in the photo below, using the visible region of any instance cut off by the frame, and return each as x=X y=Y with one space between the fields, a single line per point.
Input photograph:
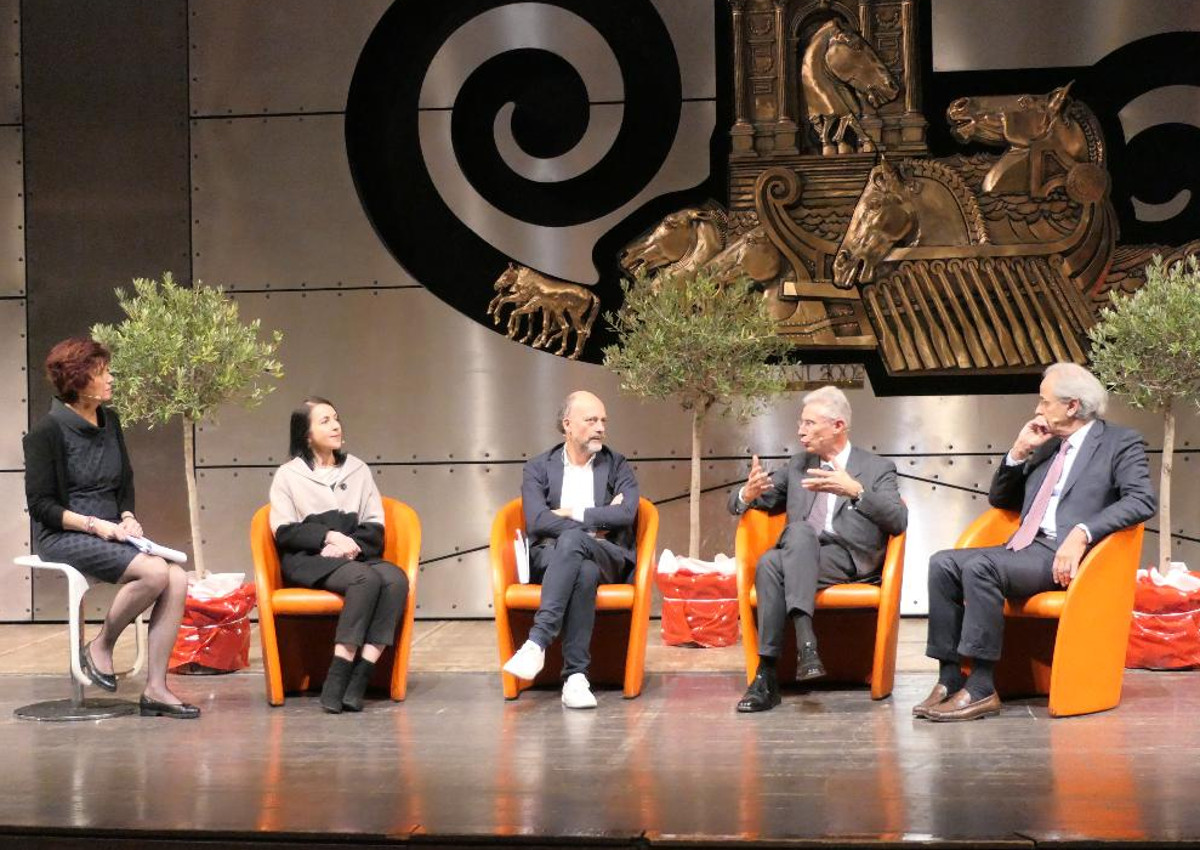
x=622 y=610
x=1069 y=643
x=857 y=625
x=296 y=624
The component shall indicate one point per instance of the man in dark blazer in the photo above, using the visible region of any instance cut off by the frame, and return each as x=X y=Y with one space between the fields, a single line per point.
x=580 y=501
x=842 y=505
x=1075 y=479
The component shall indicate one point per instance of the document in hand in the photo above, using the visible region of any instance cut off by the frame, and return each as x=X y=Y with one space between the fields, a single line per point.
x=149 y=547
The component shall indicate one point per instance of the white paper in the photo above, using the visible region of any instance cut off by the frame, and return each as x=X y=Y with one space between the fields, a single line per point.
x=669 y=562
x=148 y=547
x=521 y=552
x=214 y=585
x=1180 y=579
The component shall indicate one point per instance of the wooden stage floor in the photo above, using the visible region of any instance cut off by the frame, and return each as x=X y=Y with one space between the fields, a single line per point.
x=457 y=765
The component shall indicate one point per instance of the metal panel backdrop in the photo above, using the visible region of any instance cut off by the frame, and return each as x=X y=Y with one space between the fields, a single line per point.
x=15 y=590
x=12 y=211
x=106 y=166
x=10 y=62
x=14 y=414
x=443 y=409
x=273 y=206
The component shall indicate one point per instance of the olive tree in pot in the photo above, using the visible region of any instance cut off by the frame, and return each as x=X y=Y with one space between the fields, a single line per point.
x=1146 y=348
x=703 y=343
x=184 y=351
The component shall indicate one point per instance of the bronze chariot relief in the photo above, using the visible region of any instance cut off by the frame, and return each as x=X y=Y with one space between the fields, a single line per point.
x=979 y=262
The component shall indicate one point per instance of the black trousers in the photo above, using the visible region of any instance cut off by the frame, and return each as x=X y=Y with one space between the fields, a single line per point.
x=787 y=579
x=569 y=570
x=375 y=592
x=967 y=589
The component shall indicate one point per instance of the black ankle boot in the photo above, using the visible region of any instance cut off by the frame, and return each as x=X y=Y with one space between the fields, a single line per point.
x=353 y=700
x=336 y=682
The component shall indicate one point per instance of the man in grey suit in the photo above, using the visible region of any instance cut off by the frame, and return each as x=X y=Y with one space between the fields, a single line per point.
x=842 y=504
x=1076 y=479
x=580 y=501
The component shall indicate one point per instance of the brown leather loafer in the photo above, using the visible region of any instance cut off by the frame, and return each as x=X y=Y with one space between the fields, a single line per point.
x=960 y=707
x=937 y=695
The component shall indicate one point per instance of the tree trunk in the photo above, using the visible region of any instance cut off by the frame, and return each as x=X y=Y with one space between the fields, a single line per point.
x=1164 y=492
x=698 y=413
x=189 y=468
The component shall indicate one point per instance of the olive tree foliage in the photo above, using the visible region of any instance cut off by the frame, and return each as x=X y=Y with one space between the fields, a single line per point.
x=184 y=351
x=702 y=343
x=1146 y=348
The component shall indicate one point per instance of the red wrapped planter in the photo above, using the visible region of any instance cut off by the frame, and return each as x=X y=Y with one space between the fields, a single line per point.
x=1165 y=634
x=215 y=633
x=699 y=602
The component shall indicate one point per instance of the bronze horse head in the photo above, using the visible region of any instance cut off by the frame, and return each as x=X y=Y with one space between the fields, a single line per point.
x=1025 y=124
x=839 y=70
x=886 y=213
x=684 y=235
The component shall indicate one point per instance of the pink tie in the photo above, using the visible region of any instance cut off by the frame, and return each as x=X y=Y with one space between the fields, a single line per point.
x=1037 y=511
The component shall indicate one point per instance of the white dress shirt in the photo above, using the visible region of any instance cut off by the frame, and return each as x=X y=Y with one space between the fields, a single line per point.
x=1049 y=526
x=579 y=486
x=841 y=458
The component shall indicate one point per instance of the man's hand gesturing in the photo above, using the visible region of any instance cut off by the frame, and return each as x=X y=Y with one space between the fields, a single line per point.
x=758 y=482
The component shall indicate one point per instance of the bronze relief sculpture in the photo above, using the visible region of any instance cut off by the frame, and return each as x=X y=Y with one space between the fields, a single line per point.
x=838 y=73
x=978 y=262
x=563 y=308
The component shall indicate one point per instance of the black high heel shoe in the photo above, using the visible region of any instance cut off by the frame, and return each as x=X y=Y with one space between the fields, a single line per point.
x=153 y=708
x=107 y=681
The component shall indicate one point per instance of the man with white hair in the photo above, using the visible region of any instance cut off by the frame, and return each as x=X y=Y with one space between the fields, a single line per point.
x=842 y=504
x=1075 y=479
x=580 y=501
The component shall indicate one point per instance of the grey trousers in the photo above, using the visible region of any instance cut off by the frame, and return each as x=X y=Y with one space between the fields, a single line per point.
x=788 y=577
x=569 y=570
x=967 y=589
x=375 y=592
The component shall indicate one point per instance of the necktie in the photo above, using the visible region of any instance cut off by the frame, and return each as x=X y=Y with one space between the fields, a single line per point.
x=819 y=511
x=1037 y=511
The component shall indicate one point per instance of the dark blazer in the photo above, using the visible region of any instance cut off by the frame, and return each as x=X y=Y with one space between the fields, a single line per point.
x=1108 y=489
x=46 y=490
x=862 y=529
x=541 y=494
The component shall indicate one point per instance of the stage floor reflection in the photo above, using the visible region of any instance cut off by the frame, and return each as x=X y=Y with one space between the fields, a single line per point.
x=674 y=765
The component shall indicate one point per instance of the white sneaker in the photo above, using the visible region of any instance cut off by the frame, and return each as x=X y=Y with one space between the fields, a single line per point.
x=526 y=662
x=577 y=693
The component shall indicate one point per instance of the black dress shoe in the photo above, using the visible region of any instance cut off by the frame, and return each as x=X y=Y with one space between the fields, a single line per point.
x=808 y=663
x=763 y=693
x=154 y=708
x=107 y=681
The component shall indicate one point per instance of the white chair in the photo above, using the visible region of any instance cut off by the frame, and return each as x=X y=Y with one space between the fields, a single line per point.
x=78 y=708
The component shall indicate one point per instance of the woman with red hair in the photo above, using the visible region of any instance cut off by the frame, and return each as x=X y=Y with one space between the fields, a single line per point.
x=79 y=487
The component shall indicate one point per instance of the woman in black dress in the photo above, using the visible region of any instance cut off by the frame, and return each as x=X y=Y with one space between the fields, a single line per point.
x=79 y=487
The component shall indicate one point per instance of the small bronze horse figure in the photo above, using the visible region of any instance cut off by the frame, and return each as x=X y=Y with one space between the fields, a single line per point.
x=563 y=307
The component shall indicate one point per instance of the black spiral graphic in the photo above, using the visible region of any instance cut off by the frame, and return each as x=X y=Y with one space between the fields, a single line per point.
x=550 y=114
x=1160 y=161
x=1153 y=166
